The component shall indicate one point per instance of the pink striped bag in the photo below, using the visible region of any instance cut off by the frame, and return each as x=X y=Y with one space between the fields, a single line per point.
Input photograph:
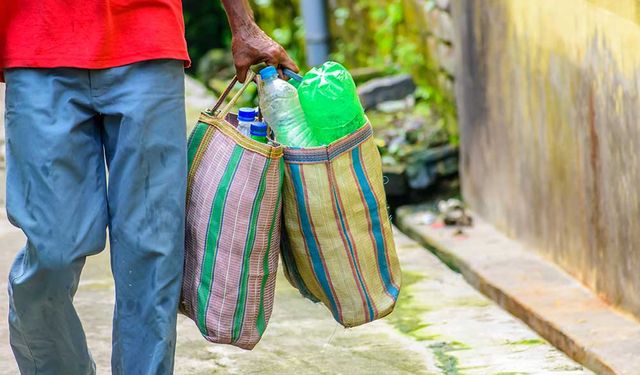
x=232 y=229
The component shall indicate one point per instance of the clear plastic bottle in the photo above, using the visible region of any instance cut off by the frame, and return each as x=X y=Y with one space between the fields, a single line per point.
x=281 y=109
x=246 y=116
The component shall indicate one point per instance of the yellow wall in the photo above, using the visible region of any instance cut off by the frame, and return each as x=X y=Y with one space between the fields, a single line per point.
x=549 y=101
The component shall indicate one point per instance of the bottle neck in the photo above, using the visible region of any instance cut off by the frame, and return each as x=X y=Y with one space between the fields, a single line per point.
x=270 y=79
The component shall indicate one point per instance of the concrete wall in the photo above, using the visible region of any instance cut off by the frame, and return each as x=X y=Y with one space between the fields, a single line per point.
x=549 y=103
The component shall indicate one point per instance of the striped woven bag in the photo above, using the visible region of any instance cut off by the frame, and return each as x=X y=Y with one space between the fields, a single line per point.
x=338 y=243
x=233 y=229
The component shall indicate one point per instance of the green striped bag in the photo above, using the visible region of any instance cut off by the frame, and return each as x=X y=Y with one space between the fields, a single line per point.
x=232 y=231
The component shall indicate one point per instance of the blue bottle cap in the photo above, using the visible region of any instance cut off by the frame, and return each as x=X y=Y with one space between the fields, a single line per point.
x=259 y=129
x=246 y=114
x=268 y=72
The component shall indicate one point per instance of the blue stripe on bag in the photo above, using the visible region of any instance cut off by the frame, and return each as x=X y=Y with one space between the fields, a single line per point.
x=312 y=245
x=357 y=266
x=372 y=205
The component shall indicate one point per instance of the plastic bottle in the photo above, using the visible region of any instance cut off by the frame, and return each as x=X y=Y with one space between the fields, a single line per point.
x=259 y=132
x=330 y=102
x=281 y=109
x=246 y=116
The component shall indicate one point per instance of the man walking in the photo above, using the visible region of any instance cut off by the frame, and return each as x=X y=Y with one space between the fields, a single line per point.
x=89 y=83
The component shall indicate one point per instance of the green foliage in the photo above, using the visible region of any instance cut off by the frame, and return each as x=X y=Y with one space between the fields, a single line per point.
x=390 y=35
x=206 y=28
x=281 y=19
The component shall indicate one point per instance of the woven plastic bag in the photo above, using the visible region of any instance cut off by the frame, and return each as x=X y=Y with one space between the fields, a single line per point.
x=338 y=245
x=232 y=229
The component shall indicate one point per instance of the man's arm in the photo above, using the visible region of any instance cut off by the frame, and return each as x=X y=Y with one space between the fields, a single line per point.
x=250 y=45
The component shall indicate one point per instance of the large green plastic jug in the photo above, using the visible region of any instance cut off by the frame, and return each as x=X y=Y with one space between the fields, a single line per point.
x=330 y=102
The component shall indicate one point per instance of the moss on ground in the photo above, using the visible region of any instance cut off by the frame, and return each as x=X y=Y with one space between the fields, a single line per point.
x=472 y=302
x=445 y=361
x=407 y=318
x=528 y=342
x=406 y=315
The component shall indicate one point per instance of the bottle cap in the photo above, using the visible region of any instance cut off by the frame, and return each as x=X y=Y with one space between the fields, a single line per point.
x=246 y=114
x=268 y=72
x=259 y=129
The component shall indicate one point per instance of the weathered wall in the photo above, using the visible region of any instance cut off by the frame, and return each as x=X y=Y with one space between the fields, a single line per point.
x=430 y=23
x=549 y=103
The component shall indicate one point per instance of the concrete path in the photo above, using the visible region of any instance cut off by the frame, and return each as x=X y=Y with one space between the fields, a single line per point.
x=558 y=306
x=441 y=326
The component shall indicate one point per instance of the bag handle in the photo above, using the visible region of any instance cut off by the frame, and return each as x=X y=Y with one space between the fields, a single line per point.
x=293 y=75
x=225 y=110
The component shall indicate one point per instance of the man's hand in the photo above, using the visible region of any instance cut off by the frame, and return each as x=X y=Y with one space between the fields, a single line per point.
x=250 y=45
x=253 y=46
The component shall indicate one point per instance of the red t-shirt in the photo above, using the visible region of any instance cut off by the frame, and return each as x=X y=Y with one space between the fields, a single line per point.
x=89 y=34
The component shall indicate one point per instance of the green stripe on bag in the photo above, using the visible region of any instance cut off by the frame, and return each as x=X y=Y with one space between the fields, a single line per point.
x=195 y=140
x=261 y=323
x=251 y=236
x=213 y=234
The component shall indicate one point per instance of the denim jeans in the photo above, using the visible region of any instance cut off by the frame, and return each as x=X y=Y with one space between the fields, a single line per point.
x=65 y=129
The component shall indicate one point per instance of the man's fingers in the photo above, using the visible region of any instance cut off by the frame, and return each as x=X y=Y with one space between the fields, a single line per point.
x=241 y=72
x=284 y=60
x=277 y=56
x=273 y=55
x=272 y=59
x=280 y=60
x=282 y=75
x=289 y=64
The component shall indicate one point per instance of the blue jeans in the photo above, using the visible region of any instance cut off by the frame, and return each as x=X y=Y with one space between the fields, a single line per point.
x=65 y=128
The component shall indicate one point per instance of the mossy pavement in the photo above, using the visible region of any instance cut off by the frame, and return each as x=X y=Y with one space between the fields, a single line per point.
x=441 y=326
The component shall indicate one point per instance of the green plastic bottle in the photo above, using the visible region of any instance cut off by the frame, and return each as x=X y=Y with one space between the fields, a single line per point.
x=330 y=102
x=259 y=132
